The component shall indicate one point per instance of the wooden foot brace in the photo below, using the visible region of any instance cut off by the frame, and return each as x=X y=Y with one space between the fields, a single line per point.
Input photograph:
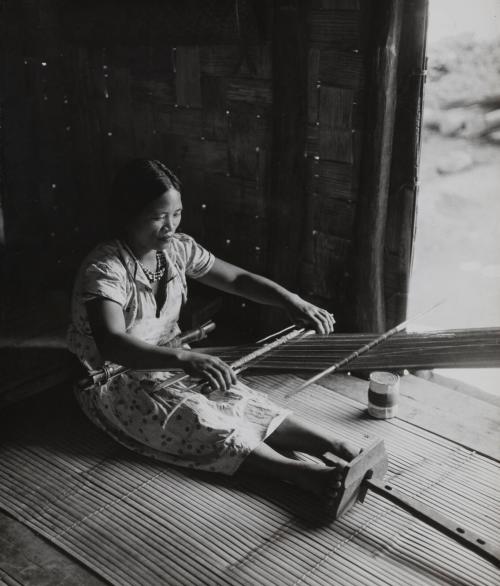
x=367 y=471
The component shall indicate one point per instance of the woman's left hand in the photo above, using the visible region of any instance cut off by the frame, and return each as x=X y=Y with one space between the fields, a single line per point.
x=303 y=311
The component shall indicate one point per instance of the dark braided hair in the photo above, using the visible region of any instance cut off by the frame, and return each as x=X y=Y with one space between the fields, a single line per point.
x=136 y=184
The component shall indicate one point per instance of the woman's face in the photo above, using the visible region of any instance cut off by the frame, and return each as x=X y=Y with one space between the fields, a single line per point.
x=157 y=223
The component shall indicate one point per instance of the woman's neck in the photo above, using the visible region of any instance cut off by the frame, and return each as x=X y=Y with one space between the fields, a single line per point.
x=140 y=253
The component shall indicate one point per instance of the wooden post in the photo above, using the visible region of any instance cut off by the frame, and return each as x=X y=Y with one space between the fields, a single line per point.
x=376 y=167
x=406 y=153
x=287 y=199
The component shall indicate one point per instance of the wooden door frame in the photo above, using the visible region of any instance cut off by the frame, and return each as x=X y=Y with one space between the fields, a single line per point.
x=388 y=195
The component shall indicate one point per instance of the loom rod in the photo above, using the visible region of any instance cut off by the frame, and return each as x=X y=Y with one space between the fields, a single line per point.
x=362 y=350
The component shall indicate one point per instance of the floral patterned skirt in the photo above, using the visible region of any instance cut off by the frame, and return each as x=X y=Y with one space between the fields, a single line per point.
x=214 y=432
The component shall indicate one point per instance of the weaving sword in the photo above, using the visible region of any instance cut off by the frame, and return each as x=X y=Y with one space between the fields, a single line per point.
x=361 y=350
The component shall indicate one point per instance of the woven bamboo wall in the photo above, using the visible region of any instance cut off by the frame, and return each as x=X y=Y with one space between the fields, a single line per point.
x=91 y=84
x=338 y=50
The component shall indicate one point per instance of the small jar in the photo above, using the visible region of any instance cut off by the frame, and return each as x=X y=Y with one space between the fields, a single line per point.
x=383 y=395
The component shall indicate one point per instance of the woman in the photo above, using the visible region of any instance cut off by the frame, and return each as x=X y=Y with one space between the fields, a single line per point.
x=126 y=303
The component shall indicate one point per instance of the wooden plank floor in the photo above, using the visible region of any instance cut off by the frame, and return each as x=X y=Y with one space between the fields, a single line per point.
x=28 y=559
x=458 y=416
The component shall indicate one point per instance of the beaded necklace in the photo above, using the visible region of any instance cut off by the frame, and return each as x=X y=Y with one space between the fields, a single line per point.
x=161 y=267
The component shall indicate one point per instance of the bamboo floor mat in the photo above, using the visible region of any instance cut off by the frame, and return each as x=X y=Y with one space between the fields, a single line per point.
x=138 y=522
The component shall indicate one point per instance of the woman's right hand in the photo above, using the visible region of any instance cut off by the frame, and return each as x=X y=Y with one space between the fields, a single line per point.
x=218 y=373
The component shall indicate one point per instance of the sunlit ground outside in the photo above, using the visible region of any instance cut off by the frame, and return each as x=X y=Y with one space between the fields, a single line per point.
x=457 y=250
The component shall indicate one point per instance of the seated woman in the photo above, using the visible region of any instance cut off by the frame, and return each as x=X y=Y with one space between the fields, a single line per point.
x=126 y=303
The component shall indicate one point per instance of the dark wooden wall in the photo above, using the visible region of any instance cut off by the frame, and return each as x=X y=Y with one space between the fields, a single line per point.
x=339 y=44
x=88 y=85
x=259 y=106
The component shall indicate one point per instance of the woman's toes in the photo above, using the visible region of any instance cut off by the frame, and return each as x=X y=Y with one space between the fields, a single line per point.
x=333 y=484
x=332 y=493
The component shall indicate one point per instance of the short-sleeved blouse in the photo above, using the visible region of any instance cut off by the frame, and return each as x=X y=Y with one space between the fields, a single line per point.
x=112 y=272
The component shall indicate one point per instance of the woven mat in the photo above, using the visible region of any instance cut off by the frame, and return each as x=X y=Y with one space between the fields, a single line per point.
x=137 y=522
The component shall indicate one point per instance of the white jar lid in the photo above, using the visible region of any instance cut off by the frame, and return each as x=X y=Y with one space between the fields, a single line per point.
x=382 y=382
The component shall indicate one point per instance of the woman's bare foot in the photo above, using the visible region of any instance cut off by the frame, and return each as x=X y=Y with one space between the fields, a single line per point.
x=324 y=482
x=295 y=434
x=342 y=449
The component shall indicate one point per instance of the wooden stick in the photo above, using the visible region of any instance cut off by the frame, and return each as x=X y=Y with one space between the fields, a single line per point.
x=361 y=350
x=420 y=510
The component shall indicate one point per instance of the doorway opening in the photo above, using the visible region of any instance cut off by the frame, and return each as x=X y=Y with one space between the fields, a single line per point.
x=457 y=247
